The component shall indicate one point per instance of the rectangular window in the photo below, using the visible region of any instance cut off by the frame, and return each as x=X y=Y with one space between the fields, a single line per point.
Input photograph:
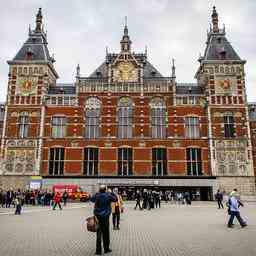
x=124 y=161
x=229 y=128
x=158 y=116
x=194 y=162
x=56 y=162
x=23 y=126
x=91 y=161
x=59 y=127
x=192 y=127
x=124 y=122
x=92 y=123
x=159 y=161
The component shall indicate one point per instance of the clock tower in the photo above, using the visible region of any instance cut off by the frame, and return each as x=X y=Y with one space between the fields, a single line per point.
x=31 y=72
x=221 y=75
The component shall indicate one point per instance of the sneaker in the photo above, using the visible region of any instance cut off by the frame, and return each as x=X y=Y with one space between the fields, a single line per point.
x=97 y=253
x=108 y=251
x=230 y=226
x=244 y=225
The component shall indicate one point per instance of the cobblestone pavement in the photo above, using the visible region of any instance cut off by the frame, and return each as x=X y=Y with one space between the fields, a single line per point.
x=182 y=230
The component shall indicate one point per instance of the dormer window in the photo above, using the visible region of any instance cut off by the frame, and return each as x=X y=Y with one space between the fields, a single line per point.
x=153 y=73
x=29 y=54
x=222 y=53
x=98 y=74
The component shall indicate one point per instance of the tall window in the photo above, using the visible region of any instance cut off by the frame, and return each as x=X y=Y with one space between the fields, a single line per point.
x=124 y=161
x=159 y=161
x=194 y=162
x=23 y=125
x=56 y=162
x=229 y=128
x=91 y=161
x=59 y=127
x=125 y=118
x=192 y=127
x=158 y=118
x=92 y=118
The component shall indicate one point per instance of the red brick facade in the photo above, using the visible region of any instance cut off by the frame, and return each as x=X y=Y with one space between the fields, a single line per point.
x=216 y=103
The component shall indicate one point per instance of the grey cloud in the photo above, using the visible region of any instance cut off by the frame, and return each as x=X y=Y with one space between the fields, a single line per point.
x=79 y=31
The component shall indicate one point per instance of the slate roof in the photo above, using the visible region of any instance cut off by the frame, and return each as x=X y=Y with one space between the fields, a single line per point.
x=37 y=45
x=187 y=89
x=62 y=89
x=149 y=70
x=217 y=43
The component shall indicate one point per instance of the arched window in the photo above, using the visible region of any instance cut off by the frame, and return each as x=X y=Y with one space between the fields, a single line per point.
x=23 y=124
x=125 y=118
x=158 y=118
x=92 y=117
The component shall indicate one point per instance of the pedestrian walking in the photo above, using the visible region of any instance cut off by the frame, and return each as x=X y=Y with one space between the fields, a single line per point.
x=18 y=205
x=116 y=210
x=65 y=197
x=219 y=199
x=57 y=200
x=102 y=211
x=233 y=210
x=138 y=199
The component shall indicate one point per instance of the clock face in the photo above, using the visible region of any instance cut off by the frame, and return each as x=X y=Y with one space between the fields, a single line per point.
x=125 y=72
x=26 y=86
x=225 y=85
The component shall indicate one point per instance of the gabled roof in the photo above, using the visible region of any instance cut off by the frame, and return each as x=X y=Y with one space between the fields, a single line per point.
x=217 y=44
x=149 y=71
x=37 y=45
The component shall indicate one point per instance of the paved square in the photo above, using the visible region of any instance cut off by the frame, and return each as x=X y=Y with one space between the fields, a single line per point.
x=182 y=230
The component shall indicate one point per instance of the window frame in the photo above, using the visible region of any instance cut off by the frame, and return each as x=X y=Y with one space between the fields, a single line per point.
x=126 y=160
x=159 y=159
x=91 y=159
x=56 y=161
x=194 y=161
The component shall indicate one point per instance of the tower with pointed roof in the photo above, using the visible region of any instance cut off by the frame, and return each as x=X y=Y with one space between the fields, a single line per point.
x=221 y=75
x=31 y=72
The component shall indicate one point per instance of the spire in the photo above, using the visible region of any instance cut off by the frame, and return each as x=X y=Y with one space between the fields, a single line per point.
x=215 y=20
x=125 y=42
x=39 y=19
x=173 y=71
x=78 y=70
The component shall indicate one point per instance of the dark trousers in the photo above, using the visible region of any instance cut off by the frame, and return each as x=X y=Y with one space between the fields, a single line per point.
x=116 y=219
x=102 y=234
x=138 y=204
x=158 y=203
x=220 y=204
x=65 y=201
x=55 y=204
x=18 y=209
x=239 y=218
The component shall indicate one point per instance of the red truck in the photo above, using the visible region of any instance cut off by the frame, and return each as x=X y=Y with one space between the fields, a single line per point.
x=74 y=191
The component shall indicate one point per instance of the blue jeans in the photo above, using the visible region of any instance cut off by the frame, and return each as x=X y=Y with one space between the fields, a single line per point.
x=238 y=216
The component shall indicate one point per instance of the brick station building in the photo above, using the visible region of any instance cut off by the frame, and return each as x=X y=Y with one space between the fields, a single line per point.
x=126 y=124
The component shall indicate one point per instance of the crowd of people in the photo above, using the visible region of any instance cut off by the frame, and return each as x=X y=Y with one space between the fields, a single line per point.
x=19 y=198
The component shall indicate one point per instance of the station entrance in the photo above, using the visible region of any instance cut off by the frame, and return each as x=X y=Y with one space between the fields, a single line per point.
x=196 y=193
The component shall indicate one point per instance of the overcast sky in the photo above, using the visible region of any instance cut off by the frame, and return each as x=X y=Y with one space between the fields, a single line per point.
x=79 y=31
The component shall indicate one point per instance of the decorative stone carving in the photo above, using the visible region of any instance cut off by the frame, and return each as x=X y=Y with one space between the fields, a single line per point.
x=14 y=114
x=19 y=161
x=231 y=157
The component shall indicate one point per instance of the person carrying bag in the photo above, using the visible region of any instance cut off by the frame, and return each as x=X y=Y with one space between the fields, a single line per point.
x=100 y=222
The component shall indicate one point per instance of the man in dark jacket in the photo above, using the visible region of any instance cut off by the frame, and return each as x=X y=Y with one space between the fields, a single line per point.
x=219 y=198
x=102 y=211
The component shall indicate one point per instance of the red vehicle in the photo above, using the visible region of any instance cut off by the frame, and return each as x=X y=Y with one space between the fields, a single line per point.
x=74 y=191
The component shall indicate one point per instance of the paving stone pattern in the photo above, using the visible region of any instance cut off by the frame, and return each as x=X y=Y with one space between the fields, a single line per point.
x=176 y=230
